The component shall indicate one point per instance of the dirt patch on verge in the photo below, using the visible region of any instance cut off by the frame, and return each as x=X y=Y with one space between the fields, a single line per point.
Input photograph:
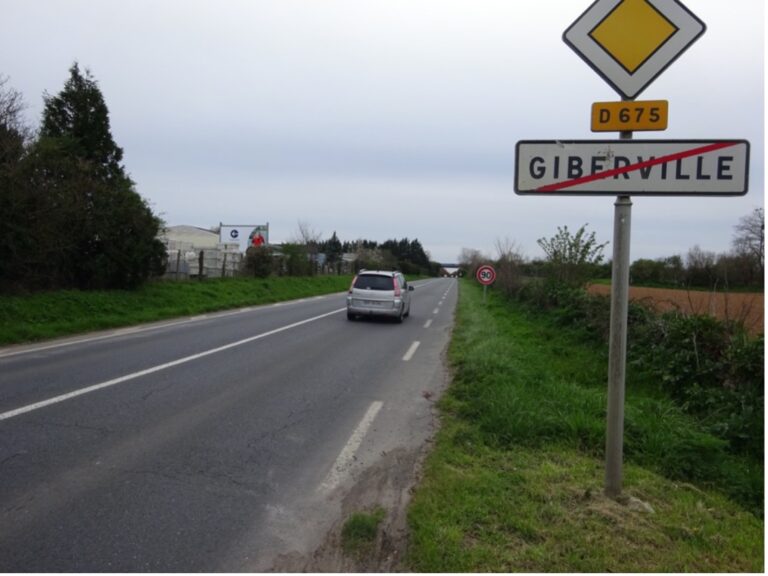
x=741 y=307
x=388 y=485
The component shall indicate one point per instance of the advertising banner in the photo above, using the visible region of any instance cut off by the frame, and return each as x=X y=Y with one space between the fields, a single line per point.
x=244 y=235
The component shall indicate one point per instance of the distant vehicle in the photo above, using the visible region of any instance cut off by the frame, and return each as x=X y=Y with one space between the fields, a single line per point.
x=379 y=293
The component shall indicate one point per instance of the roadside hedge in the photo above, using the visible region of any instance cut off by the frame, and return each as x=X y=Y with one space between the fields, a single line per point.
x=710 y=369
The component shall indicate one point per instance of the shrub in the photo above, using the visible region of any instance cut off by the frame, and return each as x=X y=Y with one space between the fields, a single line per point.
x=259 y=261
x=710 y=368
x=709 y=371
x=539 y=386
x=572 y=258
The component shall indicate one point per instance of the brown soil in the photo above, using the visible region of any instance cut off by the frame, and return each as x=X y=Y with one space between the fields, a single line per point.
x=388 y=485
x=742 y=307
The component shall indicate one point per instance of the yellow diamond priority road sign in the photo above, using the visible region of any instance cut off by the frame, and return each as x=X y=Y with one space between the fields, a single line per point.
x=630 y=42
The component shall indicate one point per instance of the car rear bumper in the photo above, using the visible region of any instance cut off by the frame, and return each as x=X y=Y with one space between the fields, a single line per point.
x=386 y=308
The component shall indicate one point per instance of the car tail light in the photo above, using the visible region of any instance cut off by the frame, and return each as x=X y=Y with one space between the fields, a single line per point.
x=397 y=286
x=351 y=285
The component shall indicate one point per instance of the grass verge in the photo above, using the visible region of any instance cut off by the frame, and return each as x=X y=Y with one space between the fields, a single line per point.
x=514 y=483
x=51 y=314
x=360 y=531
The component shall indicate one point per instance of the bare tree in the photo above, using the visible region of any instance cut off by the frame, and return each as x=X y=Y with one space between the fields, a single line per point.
x=301 y=251
x=701 y=267
x=508 y=250
x=11 y=105
x=15 y=134
x=470 y=259
x=749 y=239
x=509 y=276
x=306 y=235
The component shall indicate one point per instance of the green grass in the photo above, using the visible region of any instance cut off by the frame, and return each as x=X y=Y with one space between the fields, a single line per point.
x=360 y=530
x=514 y=483
x=51 y=314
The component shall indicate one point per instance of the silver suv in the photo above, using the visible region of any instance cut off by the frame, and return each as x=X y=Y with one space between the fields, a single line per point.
x=379 y=293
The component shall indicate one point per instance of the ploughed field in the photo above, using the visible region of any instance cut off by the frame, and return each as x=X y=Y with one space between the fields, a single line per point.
x=745 y=307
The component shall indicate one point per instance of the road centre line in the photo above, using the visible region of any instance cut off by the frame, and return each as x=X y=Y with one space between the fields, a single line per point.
x=428 y=323
x=411 y=351
x=158 y=368
x=436 y=310
x=347 y=455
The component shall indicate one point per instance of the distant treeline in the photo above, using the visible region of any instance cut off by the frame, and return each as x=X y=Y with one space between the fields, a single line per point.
x=406 y=255
x=309 y=254
x=577 y=258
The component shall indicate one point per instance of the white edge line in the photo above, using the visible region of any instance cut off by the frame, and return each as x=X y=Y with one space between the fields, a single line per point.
x=32 y=348
x=411 y=351
x=73 y=341
x=347 y=454
x=114 y=381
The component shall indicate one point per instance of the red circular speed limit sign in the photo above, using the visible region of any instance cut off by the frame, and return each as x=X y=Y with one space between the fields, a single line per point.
x=486 y=275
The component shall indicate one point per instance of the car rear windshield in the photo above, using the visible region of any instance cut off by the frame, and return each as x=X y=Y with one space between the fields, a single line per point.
x=372 y=282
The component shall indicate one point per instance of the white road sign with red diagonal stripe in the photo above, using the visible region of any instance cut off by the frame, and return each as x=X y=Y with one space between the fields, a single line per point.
x=632 y=167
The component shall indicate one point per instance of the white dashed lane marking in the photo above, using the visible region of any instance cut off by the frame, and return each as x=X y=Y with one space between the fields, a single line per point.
x=411 y=351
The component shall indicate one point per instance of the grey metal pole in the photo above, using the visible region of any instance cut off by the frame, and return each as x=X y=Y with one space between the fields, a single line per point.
x=617 y=354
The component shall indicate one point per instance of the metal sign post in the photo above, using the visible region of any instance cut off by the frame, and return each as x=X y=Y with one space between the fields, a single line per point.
x=617 y=348
x=629 y=56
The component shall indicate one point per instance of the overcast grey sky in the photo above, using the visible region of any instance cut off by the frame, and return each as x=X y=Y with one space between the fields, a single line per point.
x=381 y=119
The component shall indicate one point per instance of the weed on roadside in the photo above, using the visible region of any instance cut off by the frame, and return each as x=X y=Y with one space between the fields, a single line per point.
x=360 y=530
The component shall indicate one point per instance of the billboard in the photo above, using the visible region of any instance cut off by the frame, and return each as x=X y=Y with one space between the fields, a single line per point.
x=244 y=235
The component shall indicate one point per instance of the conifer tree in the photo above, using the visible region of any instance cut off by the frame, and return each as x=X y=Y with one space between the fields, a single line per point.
x=112 y=229
x=79 y=118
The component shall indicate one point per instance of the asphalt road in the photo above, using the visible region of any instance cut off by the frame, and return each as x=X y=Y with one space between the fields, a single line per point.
x=216 y=443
